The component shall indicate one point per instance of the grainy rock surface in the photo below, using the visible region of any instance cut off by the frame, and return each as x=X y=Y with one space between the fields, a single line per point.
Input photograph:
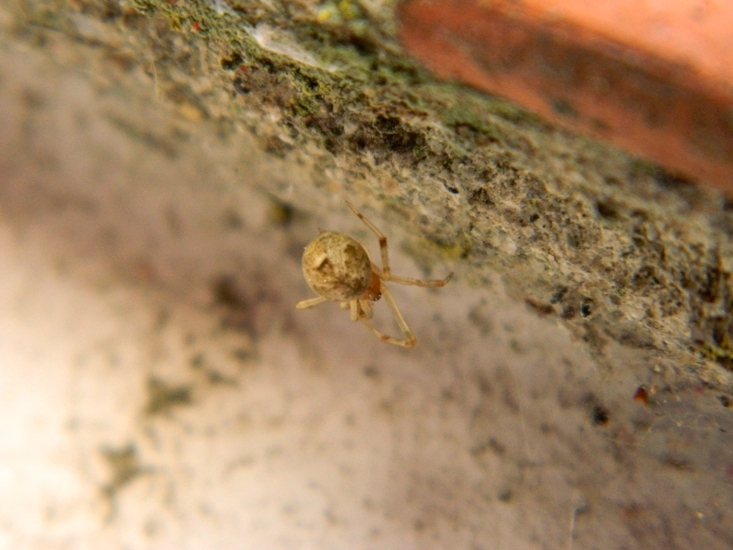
x=162 y=166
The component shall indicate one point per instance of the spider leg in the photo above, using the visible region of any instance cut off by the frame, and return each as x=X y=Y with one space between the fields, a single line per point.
x=389 y=339
x=354 y=305
x=417 y=282
x=385 y=272
x=366 y=308
x=311 y=303
x=409 y=340
x=382 y=238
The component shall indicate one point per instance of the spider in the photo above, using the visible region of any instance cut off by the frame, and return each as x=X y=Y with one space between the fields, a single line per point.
x=339 y=269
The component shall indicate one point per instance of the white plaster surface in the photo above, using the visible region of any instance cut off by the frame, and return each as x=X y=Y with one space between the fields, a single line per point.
x=301 y=429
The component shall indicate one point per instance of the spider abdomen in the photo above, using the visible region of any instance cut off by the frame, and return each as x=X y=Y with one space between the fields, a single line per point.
x=337 y=267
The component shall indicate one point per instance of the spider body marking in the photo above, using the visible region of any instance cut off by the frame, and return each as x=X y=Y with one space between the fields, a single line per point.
x=338 y=269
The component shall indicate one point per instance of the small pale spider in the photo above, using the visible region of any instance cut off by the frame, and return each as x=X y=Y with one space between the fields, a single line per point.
x=339 y=269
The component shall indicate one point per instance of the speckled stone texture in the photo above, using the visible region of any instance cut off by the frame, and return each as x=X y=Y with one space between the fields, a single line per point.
x=162 y=167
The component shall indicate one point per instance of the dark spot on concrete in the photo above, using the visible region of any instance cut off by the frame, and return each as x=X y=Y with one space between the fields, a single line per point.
x=163 y=397
x=559 y=294
x=587 y=307
x=645 y=277
x=490 y=445
x=124 y=467
x=600 y=415
x=711 y=284
x=232 y=62
x=149 y=139
x=480 y=196
x=641 y=395
x=281 y=213
x=123 y=464
x=480 y=320
x=242 y=354
x=276 y=146
x=32 y=98
x=241 y=86
x=635 y=338
x=568 y=312
x=226 y=293
x=606 y=209
x=677 y=463
x=215 y=377
x=197 y=361
x=450 y=188
x=539 y=307
x=576 y=236
x=371 y=372
x=232 y=220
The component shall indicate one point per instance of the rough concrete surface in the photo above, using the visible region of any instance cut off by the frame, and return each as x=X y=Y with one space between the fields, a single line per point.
x=159 y=390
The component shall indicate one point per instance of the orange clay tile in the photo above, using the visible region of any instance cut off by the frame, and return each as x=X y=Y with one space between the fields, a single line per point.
x=653 y=76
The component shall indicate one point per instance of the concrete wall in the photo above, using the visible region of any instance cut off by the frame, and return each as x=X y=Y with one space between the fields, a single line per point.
x=158 y=182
